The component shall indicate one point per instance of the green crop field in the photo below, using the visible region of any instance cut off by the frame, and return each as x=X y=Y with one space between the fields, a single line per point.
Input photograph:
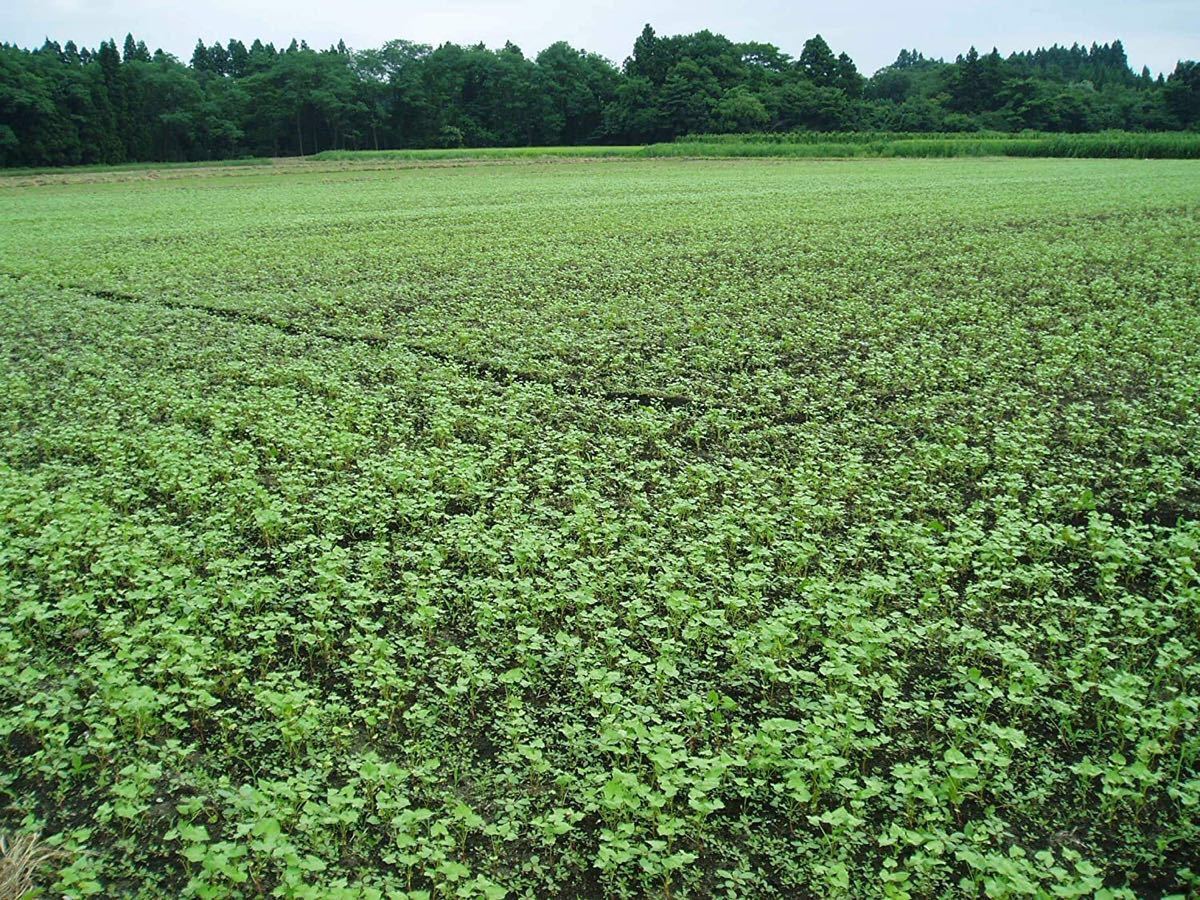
x=643 y=527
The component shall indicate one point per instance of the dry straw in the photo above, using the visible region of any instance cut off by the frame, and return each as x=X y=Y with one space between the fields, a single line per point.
x=20 y=858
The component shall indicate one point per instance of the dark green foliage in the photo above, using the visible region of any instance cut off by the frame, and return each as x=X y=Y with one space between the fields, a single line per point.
x=1183 y=93
x=818 y=63
x=61 y=105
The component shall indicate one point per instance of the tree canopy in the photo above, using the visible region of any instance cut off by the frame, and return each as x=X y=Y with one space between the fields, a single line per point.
x=60 y=104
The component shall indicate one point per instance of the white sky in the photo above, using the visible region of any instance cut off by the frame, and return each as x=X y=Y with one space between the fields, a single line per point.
x=1156 y=32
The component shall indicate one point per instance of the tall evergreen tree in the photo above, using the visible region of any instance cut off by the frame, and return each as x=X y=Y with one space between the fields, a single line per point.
x=818 y=63
x=200 y=60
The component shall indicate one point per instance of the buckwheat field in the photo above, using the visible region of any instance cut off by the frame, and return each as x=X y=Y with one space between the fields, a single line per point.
x=519 y=528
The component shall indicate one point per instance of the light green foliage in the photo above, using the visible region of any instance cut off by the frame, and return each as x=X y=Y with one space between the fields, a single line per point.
x=489 y=153
x=728 y=528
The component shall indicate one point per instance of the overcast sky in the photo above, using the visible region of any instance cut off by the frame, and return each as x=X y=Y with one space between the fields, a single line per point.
x=1156 y=32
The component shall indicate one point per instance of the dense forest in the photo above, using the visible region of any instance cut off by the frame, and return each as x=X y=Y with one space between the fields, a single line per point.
x=62 y=104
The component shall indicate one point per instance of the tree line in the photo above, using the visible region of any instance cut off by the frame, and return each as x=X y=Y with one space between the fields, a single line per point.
x=62 y=104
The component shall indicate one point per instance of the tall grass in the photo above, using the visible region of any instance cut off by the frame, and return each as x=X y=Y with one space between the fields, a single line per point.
x=836 y=145
x=834 y=137
x=1108 y=144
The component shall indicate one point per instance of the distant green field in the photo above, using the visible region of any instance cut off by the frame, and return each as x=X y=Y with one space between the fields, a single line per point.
x=673 y=528
x=131 y=167
x=525 y=153
x=803 y=144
